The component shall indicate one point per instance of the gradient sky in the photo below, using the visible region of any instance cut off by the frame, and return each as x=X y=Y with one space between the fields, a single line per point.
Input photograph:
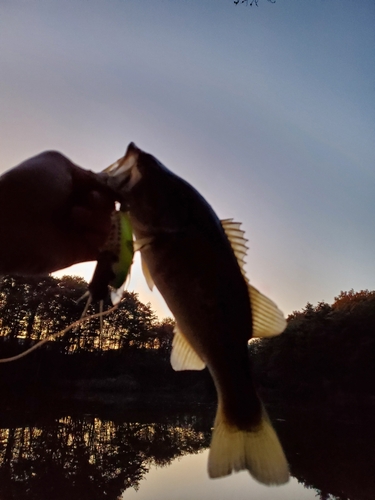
x=269 y=112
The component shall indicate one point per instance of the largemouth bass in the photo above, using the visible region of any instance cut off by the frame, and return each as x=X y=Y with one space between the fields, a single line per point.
x=197 y=263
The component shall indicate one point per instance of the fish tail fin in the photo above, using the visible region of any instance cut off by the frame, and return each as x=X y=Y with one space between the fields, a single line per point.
x=258 y=450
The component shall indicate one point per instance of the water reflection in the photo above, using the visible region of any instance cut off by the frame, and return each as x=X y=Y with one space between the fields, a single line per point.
x=187 y=479
x=105 y=453
x=93 y=457
x=332 y=449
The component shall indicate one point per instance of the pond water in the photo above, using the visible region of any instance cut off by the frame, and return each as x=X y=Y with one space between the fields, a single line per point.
x=70 y=452
x=187 y=479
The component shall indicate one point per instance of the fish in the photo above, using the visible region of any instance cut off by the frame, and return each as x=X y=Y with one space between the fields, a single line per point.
x=196 y=261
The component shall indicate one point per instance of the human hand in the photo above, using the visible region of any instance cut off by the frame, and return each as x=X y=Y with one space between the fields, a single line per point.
x=52 y=214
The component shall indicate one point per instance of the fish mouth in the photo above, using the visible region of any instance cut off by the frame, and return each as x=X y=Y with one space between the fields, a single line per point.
x=124 y=173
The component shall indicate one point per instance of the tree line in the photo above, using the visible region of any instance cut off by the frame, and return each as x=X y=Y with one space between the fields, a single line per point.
x=327 y=351
x=32 y=309
x=131 y=343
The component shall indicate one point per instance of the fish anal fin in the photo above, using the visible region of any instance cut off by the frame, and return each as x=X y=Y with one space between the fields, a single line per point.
x=183 y=356
x=259 y=451
x=268 y=320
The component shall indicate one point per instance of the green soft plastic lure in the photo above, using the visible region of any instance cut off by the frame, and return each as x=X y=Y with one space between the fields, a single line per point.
x=124 y=248
x=114 y=262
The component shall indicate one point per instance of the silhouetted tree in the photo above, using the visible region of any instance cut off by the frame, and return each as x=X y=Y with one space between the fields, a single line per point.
x=164 y=336
x=326 y=351
x=251 y=2
x=32 y=309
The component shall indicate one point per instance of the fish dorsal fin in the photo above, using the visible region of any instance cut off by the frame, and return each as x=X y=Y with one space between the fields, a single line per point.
x=146 y=274
x=183 y=356
x=268 y=320
x=237 y=240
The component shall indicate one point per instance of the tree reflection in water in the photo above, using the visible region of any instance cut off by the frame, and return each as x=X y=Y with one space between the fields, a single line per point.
x=332 y=449
x=97 y=455
x=87 y=457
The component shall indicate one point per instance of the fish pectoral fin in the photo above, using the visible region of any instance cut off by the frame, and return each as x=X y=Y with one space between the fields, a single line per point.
x=268 y=320
x=183 y=356
x=257 y=450
x=146 y=274
x=142 y=242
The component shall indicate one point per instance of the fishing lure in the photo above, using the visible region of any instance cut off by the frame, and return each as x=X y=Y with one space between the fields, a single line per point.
x=114 y=263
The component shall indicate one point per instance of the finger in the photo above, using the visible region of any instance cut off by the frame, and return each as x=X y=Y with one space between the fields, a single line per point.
x=92 y=221
x=86 y=181
x=94 y=242
x=100 y=202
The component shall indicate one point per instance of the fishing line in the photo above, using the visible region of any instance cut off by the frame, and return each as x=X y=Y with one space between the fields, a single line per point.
x=59 y=334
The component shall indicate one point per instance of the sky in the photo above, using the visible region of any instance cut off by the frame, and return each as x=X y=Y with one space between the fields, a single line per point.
x=268 y=111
